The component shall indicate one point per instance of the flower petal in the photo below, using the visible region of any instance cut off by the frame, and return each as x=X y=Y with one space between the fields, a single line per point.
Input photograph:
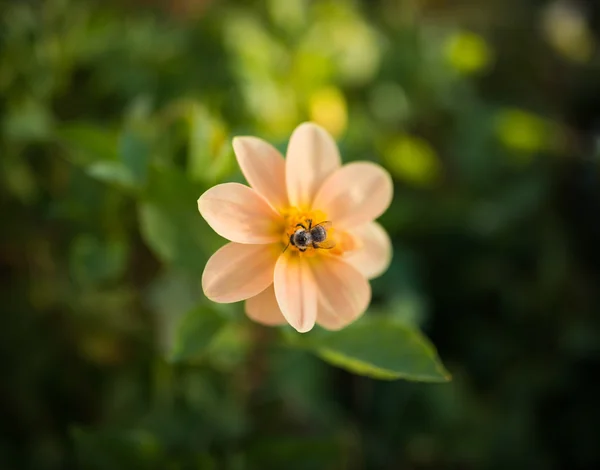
x=263 y=308
x=355 y=194
x=328 y=318
x=238 y=213
x=237 y=271
x=344 y=293
x=373 y=254
x=296 y=291
x=312 y=156
x=264 y=169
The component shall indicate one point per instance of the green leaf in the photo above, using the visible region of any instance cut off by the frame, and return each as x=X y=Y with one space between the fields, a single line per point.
x=94 y=260
x=210 y=155
x=86 y=143
x=135 y=155
x=378 y=347
x=111 y=172
x=231 y=347
x=116 y=448
x=170 y=223
x=120 y=160
x=195 y=333
x=28 y=120
x=300 y=452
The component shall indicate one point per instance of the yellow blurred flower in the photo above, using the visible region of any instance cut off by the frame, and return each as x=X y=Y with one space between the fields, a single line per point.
x=525 y=132
x=412 y=159
x=327 y=107
x=468 y=52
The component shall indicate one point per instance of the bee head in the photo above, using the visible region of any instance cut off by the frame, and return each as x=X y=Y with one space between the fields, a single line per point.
x=302 y=238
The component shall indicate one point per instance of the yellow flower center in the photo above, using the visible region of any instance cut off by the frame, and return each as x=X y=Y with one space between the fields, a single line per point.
x=296 y=219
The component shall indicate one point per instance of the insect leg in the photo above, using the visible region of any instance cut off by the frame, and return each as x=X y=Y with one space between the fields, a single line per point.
x=290 y=242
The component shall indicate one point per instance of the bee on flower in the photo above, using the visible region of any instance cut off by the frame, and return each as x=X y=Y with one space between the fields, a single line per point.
x=303 y=238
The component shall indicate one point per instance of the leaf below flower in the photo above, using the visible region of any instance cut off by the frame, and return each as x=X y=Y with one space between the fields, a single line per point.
x=377 y=347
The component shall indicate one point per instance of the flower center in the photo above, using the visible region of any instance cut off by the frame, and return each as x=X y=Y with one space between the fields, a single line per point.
x=308 y=233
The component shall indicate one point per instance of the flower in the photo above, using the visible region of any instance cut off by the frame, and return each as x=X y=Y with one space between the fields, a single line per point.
x=279 y=282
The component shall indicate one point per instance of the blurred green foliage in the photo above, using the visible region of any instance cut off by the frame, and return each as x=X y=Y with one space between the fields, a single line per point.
x=116 y=116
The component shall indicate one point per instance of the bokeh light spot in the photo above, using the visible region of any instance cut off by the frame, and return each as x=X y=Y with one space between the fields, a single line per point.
x=567 y=31
x=524 y=132
x=413 y=160
x=468 y=53
x=328 y=108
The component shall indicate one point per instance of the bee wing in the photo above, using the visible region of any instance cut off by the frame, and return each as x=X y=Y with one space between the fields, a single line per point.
x=326 y=244
x=325 y=224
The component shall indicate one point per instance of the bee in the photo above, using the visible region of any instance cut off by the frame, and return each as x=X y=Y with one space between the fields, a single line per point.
x=311 y=235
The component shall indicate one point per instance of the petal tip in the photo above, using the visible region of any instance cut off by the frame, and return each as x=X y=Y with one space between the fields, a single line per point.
x=201 y=204
x=312 y=156
x=311 y=125
x=240 y=214
x=206 y=288
x=237 y=272
x=303 y=328
x=207 y=292
x=238 y=141
x=310 y=128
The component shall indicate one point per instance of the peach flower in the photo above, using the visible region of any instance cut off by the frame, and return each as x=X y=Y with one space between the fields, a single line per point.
x=281 y=285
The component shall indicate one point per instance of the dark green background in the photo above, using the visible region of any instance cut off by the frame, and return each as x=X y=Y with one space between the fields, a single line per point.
x=116 y=116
